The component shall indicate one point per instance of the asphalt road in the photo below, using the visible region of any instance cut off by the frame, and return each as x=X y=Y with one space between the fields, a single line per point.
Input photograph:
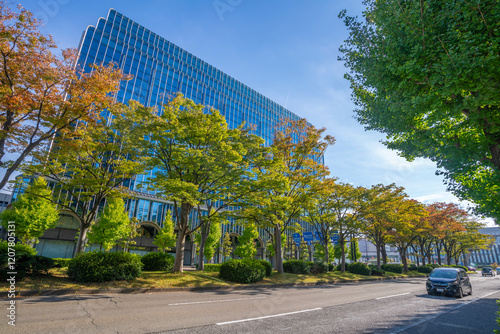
x=395 y=306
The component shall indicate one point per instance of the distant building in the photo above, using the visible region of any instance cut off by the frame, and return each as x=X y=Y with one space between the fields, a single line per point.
x=369 y=252
x=491 y=255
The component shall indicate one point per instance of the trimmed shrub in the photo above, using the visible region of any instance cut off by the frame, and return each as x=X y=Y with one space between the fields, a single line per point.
x=318 y=267
x=376 y=271
x=61 y=263
x=243 y=271
x=212 y=267
x=296 y=267
x=158 y=261
x=359 y=268
x=101 y=267
x=26 y=262
x=393 y=268
x=412 y=267
x=459 y=266
x=338 y=267
x=331 y=267
x=268 y=266
x=425 y=269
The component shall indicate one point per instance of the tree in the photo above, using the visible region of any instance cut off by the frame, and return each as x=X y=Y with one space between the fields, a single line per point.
x=338 y=253
x=42 y=94
x=319 y=252
x=406 y=226
x=33 y=212
x=198 y=162
x=95 y=162
x=354 y=252
x=287 y=180
x=227 y=248
x=212 y=240
x=426 y=73
x=378 y=213
x=165 y=239
x=114 y=224
x=247 y=248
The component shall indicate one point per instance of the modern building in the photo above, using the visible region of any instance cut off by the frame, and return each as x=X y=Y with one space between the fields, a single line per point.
x=160 y=70
x=491 y=255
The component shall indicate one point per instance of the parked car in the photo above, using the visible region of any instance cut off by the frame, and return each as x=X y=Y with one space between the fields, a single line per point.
x=471 y=268
x=449 y=281
x=498 y=270
x=488 y=271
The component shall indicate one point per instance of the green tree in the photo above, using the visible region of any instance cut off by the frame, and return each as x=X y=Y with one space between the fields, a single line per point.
x=247 y=248
x=337 y=251
x=95 y=162
x=354 y=252
x=319 y=252
x=286 y=180
x=33 y=212
x=426 y=73
x=42 y=94
x=165 y=239
x=211 y=241
x=227 y=248
x=114 y=224
x=199 y=163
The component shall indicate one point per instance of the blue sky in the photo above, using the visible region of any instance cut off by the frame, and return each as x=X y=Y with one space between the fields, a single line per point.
x=286 y=50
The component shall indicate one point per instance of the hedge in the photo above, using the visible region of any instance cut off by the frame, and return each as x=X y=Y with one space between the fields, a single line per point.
x=268 y=266
x=425 y=269
x=296 y=267
x=27 y=263
x=359 y=268
x=243 y=271
x=393 y=268
x=212 y=267
x=376 y=271
x=318 y=267
x=158 y=261
x=103 y=266
x=62 y=263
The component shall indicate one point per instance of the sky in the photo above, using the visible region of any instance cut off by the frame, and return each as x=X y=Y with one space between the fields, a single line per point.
x=286 y=50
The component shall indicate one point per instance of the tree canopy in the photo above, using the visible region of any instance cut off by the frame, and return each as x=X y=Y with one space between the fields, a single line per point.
x=426 y=73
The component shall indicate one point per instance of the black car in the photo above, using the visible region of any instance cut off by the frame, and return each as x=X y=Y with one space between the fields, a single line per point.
x=449 y=281
x=487 y=271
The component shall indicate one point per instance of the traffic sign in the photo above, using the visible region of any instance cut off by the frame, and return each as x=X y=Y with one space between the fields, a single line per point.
x=317 y=236
x=334 y=238
x=297 y=238
x=308 y=237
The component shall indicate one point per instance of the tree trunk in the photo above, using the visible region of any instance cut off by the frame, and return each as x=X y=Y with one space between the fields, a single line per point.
x=342 y=252
x=278 y=251
x=438 y=250
x=82 y=237
x=204 y=231
x=377 y=246
x=402 y=253
x=327 y=253
x=384 y=253
x=181 y=239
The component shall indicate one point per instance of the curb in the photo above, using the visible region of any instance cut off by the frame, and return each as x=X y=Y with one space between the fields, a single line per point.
x=61 y=292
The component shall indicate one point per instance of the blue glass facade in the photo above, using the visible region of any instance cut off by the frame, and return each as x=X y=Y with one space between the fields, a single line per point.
x=160 y=70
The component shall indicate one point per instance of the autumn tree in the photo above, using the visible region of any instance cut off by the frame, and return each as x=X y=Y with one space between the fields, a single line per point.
x=165 y=238
x=286 y=180
x=33 y=212
x=198 y=162
x=425 y=73
x=406 y=226
x=113 y=224
x=42 y=95
x=95 y=162
x=377 y=214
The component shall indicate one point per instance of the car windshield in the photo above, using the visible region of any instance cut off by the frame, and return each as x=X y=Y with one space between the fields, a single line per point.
x=444 y=274
x=486 y=269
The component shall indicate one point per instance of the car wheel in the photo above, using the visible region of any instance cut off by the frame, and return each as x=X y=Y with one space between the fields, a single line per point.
x=460 y=293
x=429 y=293
x=470 y=290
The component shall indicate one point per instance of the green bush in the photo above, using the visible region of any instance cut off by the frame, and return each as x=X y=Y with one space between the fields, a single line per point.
x=412 y=267
x=359 y=268
x=376 y=271
x=331 y=267
x=459 y=266
x=318 y=267
x=393 y=268
x=337 y=268
x=61 y=263
x=243 y=271
x=212 y=267
x=26 y=263
x=296 y=267
x=102 y=266
x=268 y=266
x=425 y=269
x=158 y=261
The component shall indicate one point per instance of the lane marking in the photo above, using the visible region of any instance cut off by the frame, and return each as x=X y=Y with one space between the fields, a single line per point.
x=268 y=316
x=400 y=294
x=442 y=313
x=216 y=301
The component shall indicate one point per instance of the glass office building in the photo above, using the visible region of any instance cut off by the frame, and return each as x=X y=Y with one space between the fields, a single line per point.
x=160 y=70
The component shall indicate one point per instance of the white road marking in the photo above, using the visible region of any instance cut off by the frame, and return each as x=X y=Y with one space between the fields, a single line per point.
x=216 y=301
x=267 y=316
x=440 y=314
x=400 y=294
